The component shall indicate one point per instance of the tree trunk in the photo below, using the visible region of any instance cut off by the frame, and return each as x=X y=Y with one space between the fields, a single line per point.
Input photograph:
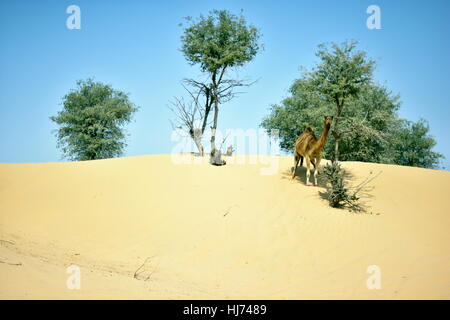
x=336 y=149
x=208 y=105
x=216 y=115
x=213 y=129
x=336 y=132
x=216 y=159
x=198 y=144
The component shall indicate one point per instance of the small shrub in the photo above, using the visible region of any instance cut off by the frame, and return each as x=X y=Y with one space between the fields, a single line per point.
x=338 y=195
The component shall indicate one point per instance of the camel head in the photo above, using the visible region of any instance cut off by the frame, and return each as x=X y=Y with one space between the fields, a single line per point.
x=328 y=120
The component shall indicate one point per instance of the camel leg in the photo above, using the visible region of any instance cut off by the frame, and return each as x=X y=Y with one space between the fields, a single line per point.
x=308 y=168
x=296 y=159
x=301 y=161
x=316 y=170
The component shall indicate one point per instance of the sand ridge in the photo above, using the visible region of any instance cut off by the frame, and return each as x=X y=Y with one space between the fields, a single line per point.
x=145 y=228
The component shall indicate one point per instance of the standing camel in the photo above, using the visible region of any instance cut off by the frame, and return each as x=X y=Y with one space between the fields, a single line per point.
x=309 y=147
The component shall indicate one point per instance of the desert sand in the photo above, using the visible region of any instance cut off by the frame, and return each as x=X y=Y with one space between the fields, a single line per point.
x=146 y=228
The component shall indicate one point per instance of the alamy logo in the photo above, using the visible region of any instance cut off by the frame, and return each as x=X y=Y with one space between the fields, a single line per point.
x=252 y=146
x=74 y=280
x=374 y=20
x=74 y=20
x=374 y=280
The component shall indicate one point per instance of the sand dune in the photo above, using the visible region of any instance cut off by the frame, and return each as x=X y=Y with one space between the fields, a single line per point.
x=145 y=228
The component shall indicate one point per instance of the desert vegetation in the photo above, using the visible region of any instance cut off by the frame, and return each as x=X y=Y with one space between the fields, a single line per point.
x=148 y=226
x=366 y=125
x=217 y=43
x=91 y=123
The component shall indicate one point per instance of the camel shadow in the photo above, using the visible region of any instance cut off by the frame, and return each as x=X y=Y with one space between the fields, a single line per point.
x=300 y=175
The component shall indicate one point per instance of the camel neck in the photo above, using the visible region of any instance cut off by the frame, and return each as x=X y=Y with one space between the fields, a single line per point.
x=323 y=138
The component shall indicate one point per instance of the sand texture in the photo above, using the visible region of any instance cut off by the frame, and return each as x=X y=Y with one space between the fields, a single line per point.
x=146 y=228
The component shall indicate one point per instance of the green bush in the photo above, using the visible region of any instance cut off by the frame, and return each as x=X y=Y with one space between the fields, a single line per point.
x=338 y=195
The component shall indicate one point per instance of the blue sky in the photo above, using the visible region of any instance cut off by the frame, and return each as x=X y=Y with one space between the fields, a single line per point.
x=134 y=46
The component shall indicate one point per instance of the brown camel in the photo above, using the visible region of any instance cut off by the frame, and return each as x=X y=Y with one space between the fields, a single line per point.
x=309 y=147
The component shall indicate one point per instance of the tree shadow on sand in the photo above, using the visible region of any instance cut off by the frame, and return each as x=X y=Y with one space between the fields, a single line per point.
x=363 y=190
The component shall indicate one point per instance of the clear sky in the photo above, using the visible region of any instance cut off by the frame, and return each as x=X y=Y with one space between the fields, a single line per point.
x=134 y=46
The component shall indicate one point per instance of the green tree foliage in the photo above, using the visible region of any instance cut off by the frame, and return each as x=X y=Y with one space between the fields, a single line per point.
x=370 y=123
x=91 y=122
x=341 y=75
x=304 y=106
x=217 y=43
x=412 y=145
x=373 y=130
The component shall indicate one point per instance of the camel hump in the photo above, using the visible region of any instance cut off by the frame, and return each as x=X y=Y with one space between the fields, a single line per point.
x=309 y=132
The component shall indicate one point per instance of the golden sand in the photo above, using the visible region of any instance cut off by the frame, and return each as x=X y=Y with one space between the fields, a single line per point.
x=146 y=228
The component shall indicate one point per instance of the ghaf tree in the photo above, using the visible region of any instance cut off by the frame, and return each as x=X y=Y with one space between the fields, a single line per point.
x=91 y=122
x=218 y=43
x=340 y=76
